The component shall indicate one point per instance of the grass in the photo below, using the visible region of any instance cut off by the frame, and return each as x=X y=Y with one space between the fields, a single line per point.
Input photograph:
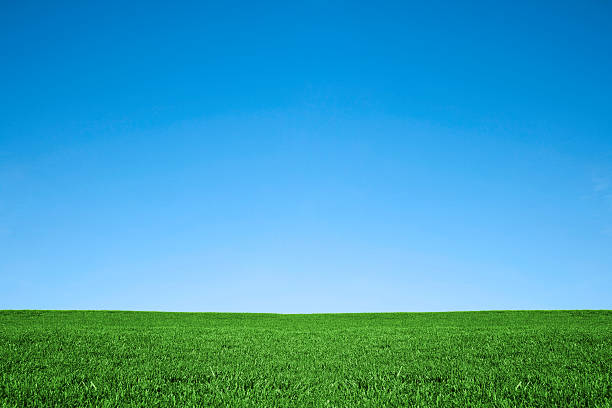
x=501 y=359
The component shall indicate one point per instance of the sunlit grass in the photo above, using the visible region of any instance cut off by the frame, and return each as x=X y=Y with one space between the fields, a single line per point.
x=531 y=358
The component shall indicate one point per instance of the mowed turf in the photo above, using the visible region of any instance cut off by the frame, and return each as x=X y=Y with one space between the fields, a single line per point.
x=146 y=359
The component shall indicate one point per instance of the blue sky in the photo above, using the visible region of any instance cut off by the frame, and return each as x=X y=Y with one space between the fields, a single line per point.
x=315 y=157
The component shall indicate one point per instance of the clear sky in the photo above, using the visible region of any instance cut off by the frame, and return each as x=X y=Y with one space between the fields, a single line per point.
x=306 y=157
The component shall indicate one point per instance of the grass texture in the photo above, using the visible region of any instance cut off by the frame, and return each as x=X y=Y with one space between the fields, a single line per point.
x=148 y=359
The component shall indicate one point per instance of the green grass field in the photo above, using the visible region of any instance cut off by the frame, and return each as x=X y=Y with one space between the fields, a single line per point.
x=145 y=359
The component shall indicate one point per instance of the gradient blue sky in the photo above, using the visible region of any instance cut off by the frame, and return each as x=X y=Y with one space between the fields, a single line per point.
x=314 y=157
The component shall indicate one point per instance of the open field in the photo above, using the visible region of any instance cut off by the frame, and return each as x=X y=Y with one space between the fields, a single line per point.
x=528 y=358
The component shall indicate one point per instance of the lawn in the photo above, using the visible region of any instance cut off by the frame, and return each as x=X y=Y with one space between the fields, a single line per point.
x=147 y=359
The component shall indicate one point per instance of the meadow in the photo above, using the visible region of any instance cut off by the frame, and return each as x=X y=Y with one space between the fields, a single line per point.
x=148 y=359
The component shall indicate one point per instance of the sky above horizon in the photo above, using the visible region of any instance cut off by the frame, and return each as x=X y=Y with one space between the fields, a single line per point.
x=301 y=158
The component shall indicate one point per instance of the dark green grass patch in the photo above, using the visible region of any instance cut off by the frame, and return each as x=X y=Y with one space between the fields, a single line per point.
x=111 y=359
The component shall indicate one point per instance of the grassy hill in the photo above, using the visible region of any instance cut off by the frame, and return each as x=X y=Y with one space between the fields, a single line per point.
x=498 y=358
